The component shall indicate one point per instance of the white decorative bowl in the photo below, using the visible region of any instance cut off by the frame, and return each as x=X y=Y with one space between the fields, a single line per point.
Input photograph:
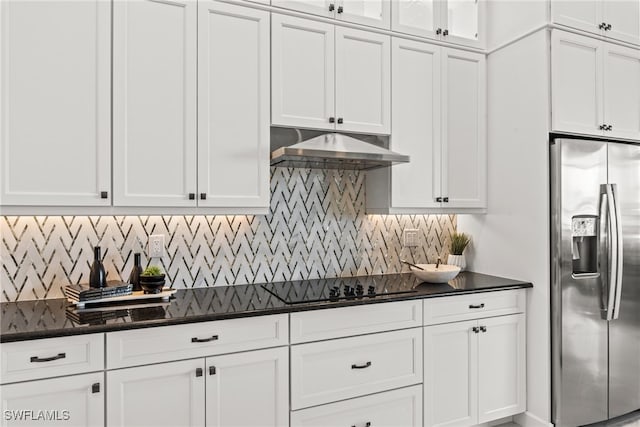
x=431 y=274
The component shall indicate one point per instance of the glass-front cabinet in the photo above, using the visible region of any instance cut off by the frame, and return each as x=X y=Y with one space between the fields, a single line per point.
x=454 y=21
x=374 y=13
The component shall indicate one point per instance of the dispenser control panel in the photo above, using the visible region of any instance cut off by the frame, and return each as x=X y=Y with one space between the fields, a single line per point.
x=583 y=226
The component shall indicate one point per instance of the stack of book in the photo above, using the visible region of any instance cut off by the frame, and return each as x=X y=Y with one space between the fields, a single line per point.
x=83 y=293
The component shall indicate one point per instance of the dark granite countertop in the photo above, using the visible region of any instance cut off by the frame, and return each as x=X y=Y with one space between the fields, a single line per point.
x=48 y=318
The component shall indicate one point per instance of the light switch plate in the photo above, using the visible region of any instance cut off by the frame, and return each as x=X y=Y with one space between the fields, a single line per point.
x=410 y=237
x=156 y=246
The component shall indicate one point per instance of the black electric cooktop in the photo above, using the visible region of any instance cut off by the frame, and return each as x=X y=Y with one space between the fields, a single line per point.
x=339 y=289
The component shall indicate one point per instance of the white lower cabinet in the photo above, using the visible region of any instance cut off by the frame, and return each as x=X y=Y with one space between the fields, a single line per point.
x=402 y=407
x=247 y=389
x=70 y=401
x=474 y=371
x=328 y=371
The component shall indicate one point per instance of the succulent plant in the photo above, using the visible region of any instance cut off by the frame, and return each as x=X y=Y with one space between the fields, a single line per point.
x=152 y=270
x=459 y=242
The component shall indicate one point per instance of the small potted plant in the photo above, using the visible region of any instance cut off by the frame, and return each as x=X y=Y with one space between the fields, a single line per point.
x=152 y=280
x=459 y=242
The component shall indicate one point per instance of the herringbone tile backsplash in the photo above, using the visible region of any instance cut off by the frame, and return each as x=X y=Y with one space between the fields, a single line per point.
x=317 y=227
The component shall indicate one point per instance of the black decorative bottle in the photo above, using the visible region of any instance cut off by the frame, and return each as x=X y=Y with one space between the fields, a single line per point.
x=97 y=276
x=136 y=271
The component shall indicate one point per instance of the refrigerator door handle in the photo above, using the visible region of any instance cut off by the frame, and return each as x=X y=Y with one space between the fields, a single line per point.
x=616 y=247
x=606 y=255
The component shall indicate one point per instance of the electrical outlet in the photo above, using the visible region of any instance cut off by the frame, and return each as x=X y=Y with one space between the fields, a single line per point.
x=156 y=246
x=410 y=237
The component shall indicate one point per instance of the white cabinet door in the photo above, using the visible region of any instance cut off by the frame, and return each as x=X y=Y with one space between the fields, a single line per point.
x=462 y=22
x=576 y=83
x=70 y=401
x=55 y=103
x=233 y=97
x=416 y=124
x=325 y=8
x=363 y=81
x=582 y=14
x=501 y=367
x=167 y=394
x=451 y=372
x=154 y=97
x=464 y=139
x=622 y=91
x=417 y=17
x=624 y=18
x=248 y=389
x=303 y=72
x=375 y=13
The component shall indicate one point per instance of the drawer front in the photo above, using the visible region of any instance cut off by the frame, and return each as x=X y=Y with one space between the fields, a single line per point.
x=51 y=357
x=474 y=306
x=349 y=321
x=329 y=371
x=401 y=407
x=163 y=344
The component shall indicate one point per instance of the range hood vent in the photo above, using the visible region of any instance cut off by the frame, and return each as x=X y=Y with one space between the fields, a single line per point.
x=335 y=151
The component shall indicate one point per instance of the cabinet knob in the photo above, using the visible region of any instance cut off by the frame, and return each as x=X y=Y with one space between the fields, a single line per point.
x=192 y=196
x=609 y=127
x=475 y=329
x=198 y=372
x=340 y=120
x=483 y=329
x=104 y=194
x=212 y=370
x=439 y=199
x=203 y=196
x=607 y=27
x=602 y=26
x=340 y=9
x=332 y=7
x=332 y=119
x=601 y=127
x=445 y=33
x=445 y=199
x=95 y=388
x=439 y=31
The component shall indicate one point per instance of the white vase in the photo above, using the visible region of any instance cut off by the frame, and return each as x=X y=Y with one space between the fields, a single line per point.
x=458 y=260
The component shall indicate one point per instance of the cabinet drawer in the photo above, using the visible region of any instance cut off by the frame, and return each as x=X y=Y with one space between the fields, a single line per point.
x=401 y=407
x=329 y=371
x=163 y=344
x=51 y=357
x=474 y=306
x=348 y=321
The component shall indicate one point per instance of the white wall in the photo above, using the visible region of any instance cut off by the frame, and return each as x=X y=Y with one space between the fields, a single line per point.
x=510 y=19
x=512 y=239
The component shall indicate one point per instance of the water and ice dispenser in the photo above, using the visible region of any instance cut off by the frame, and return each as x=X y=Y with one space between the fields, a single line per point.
x=584 y=244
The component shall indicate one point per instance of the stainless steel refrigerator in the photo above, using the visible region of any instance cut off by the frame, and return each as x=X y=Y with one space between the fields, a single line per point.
x=595 y=283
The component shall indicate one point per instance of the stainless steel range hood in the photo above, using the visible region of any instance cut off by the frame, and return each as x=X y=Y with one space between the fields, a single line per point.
x=335 y=151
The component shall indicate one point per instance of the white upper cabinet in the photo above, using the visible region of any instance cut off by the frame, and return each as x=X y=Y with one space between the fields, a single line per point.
x=363 y=81
x=154 y=96
x=55 y=147
x=576 y=83
x=595 y=87
x=328 y=77
x=618 y=19
x=374 y=13
x=455 y=21
x=464 y=134
x=303 y=72
x=233 y=113
x=439 y=120
x=621 y=91
x=419 y=17
x=326 y=8
x=416 y=104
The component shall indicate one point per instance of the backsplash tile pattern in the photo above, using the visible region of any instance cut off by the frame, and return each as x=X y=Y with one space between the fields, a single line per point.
x=317 y=227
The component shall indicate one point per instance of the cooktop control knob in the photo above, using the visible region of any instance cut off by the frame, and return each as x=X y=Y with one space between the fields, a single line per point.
x=334 y=292
x=349 y=291
x=359 y=290
x=371 y=290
